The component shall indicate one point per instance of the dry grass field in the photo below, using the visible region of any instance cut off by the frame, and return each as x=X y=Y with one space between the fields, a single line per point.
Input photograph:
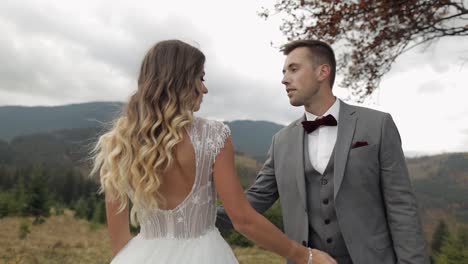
x=66 y=240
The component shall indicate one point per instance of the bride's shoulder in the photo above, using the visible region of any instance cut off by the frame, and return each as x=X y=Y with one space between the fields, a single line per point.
x=210 y=124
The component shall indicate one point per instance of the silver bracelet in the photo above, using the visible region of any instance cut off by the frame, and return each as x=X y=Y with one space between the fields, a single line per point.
x=309 y=261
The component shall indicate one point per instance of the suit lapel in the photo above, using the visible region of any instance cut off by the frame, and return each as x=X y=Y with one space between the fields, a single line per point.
x=346 y=127
x=298 y=146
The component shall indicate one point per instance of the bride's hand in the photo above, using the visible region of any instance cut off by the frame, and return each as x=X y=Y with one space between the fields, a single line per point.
x=301 y=256
x=321 y=257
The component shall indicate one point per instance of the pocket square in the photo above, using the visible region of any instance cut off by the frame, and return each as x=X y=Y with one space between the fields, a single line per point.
x=358 y=144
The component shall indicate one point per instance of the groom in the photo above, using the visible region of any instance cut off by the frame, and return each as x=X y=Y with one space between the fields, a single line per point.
x=339 y=172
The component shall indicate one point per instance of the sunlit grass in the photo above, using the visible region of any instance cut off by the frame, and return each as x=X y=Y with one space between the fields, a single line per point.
x=66 y=240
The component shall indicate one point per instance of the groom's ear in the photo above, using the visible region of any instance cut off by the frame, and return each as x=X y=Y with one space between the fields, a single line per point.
x=323 y=72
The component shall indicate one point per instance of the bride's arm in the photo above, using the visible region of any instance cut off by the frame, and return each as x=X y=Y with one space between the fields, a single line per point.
x=117 y=226
x=244 y=218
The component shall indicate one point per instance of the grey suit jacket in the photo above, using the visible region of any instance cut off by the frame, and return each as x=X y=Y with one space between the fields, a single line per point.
x=374 y=200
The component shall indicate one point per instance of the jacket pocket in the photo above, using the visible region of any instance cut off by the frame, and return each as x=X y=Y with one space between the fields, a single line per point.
x=363 y=149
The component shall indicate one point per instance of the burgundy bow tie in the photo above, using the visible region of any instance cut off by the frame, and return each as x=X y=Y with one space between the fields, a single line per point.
x=310 y=126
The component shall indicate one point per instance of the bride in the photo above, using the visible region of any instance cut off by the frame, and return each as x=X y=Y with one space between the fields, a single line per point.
x=172 y=165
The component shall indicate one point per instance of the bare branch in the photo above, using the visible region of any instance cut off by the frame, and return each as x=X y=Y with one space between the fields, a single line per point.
x=374 y=32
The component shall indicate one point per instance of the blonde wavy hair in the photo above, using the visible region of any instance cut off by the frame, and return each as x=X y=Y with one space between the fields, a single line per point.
x=133 y=154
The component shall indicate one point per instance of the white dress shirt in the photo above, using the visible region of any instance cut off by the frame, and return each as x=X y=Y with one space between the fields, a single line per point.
x=322 y=140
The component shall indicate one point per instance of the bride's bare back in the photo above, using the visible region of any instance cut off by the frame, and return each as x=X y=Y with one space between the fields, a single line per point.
x=178 y=180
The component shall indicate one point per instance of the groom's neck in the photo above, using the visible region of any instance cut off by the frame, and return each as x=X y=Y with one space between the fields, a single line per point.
x=320 y=105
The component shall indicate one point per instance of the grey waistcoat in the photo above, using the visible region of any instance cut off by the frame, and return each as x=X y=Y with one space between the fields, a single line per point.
x=324 y=231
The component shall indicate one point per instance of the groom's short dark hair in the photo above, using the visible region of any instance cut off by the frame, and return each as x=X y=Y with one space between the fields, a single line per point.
x=321 y=52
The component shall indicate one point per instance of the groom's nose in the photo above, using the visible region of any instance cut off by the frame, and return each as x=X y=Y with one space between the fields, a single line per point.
x=285 y=80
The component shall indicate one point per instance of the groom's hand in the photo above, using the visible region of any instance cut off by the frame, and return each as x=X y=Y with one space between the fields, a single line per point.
x=321 y=257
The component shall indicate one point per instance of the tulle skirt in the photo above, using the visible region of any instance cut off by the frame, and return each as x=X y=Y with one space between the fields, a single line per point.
x=210 y=248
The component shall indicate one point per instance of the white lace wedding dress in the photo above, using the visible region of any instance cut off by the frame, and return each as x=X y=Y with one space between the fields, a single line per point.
x=187 y=233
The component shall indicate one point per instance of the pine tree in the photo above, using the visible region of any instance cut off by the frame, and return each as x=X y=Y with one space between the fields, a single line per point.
x=91 y=206
x=4 y=205
x=441 y=233
x=21 y=196
x=99 y=214
x=463 y=241
x=463 y=237
x=454 y=249
x=81 y=209
x=69 y=188
x=39 y=199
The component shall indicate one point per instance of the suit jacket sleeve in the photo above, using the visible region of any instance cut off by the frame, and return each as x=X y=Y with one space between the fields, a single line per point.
x=261 y=195
x=402 y=212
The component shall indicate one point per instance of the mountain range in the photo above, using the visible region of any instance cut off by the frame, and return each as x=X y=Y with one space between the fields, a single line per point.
x=64 y=135
x=252 y=138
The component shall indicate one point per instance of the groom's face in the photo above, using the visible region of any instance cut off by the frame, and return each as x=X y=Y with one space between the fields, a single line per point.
x=300 y=77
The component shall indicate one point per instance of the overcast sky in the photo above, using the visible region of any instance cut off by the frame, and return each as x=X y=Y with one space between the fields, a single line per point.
x=60 y=52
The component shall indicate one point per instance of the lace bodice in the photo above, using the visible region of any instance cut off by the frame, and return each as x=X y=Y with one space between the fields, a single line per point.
x=196 y=215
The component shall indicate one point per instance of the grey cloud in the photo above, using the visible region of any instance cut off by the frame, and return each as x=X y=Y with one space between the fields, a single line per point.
x=432 y=86
x=440 y=56
x=440 y=67
x=49 y=53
